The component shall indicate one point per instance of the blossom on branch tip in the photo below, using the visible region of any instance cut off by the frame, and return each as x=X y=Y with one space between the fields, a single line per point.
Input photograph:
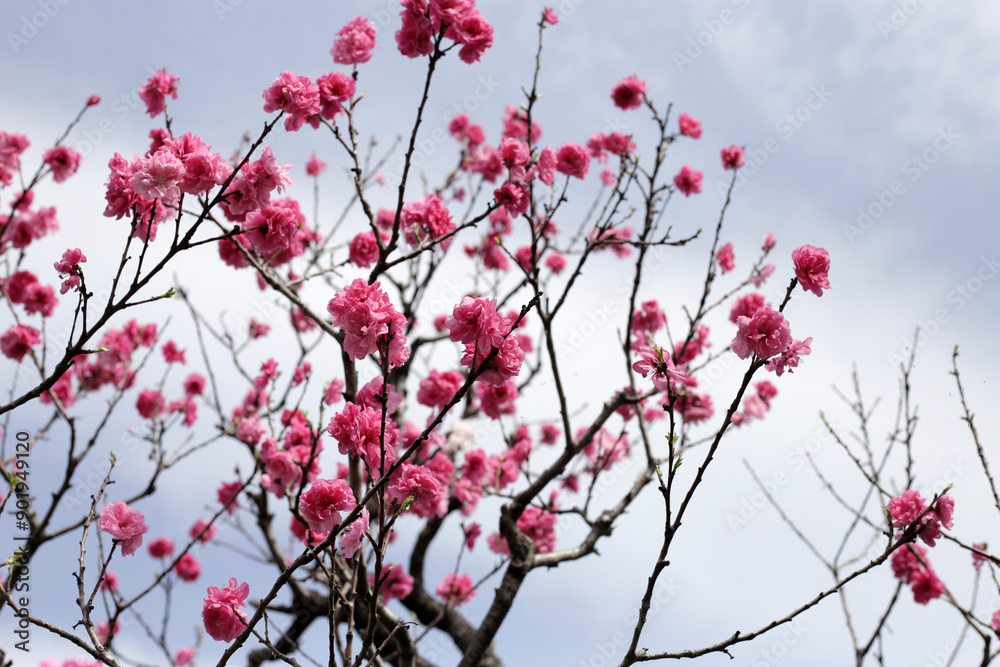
x=355 y=42
x=156 y=90
x=688 y=181
x=627 y=93
x=222 y=614
x=124 y=524
x=765 y=334
x=812 y=268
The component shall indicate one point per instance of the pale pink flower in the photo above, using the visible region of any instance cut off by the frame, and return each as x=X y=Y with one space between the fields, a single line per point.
x=63 y=162
x=549 y=16
x=765 y=334
x=184 y=656
x=732 y=157
x=68 y=267
x=124 y=524
x=688 y=181
x=690 y=126
x=158 y=176
x=156 y=90
x=455 y=588
x=789 y=357
x=769 y=241
x=353 y=537
x=761 y=275
x=315 y=166
x=224 y=620
x=355 y=42
x=694 y=408
x=11 y=147
x=627 y=94
x=812 y=266
x=608 y=177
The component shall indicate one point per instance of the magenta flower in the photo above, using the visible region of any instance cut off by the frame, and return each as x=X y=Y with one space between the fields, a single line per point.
x=396 y=583
x=315 y=166
x=455 y=588
x=355 y=42
x=664 y=373
x=161 y=548
x=297 y=96
x=62 y=161
x=688 y=181
x=789 y=358
x=627 y=94
x=158 y=176
x=18 y=341
x=725 y=257
x=572 y=160
x=222 y=616
x=426 y=221
x=732 y=157
x=123 y=524
x=353 y=537
x=765 y=334
x=322 y=504
x=812 y=266
x=550 y=16
x=68 y=268
x=429 y=496
x=690 y=126
x=369 y=319
x=156 y=90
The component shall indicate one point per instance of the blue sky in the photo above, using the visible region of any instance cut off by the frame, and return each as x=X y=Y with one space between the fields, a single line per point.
x=870 y=129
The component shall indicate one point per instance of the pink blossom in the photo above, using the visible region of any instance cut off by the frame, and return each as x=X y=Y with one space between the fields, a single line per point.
x=161 y=548
x=439 y=387
x=415 y=37
x=11 y=147
x=18 y=341
x=605 y=449
x=474 y=33
x=456 y=589
x=732 y=157
x=396 y=584
x=322 y=504
x=572 y=160
x=546 y=166
x=124 y=524
x=612 y=238
x=222 y=614
x=184 y=656
x=110 y=582
x=68 y=268
x=549 y=16
x=428 y=497
x=257 y=329
x=228 y=495
x=789 y=358
x=194 y=385
x=156 y=90
x=628 y=93
x=769 y=242
x=296 y=96
x=725 y=258
x=150 y=403
x=765 y=334
x=61 y=390
x=746 y=306
x=252 y=188
x=369 y=320
x=158 y=176
x=40 y=298
x=690 y=126
x=688 y=181
x=423 y=222
x=812 y=266
x=497 y=400
x=926 y=586
x=171 y=354
x=353 y=537
x=977 y=558
x=761 y=275
x=203 y=531
x=475 y=321
x=93 y=100
x=63 y=162
x=355 y=42
x=334 y=391
x=555 y=261
x=694 y=408
x=315 y=166
x=653 y=361
x=504 y=365
x=514 y=197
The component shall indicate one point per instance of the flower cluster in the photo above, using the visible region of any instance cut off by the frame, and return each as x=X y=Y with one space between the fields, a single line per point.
x=370 y=322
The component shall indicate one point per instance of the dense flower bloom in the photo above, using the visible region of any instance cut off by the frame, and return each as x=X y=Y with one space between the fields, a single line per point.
x=124 y=524
x=369 y=319
x=63 y=162
x=297 y=96
x=812 y=266
x=725 y=258
x=627 y=94
x=158 y=176
x=355 y=42
x=688 y=181
x=156 y=90
x=690 y=126
x=322 y=504
x=694 y=408
x=572 y=160
x=732 y=157
x=428 y=496
x=223 y=618
x=415 y=37
x=765 y=333
x=926 y=586
x=473 y=32
x=455 y=588
x=18 y=341
x=746 y=306
x=426 y=221
x=272 y=229
x=252 y=188
x=439 y=387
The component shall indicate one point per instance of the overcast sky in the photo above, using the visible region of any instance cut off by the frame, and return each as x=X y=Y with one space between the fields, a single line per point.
x=870 y=129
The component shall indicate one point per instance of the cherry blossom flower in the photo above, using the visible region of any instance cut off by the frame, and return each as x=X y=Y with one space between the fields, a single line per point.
x=732 y=157
x=765 y=333
x=369 y=320
x=689 y=125
x=353 y=537
x=297 y=96
x=572 y=160
x=396 y=583
x=156 y=90
x=124 y=524
x=18 y=341
x=355 y=42
x=63 y=162
x=322 y=504
x=161 y=548
x=725 y=258
x=627 y=94
x=812 y=266
x=688 y=181
x=222 y=614
x=456 y=589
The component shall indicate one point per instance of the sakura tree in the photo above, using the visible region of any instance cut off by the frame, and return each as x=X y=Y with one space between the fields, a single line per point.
x=378 y=437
